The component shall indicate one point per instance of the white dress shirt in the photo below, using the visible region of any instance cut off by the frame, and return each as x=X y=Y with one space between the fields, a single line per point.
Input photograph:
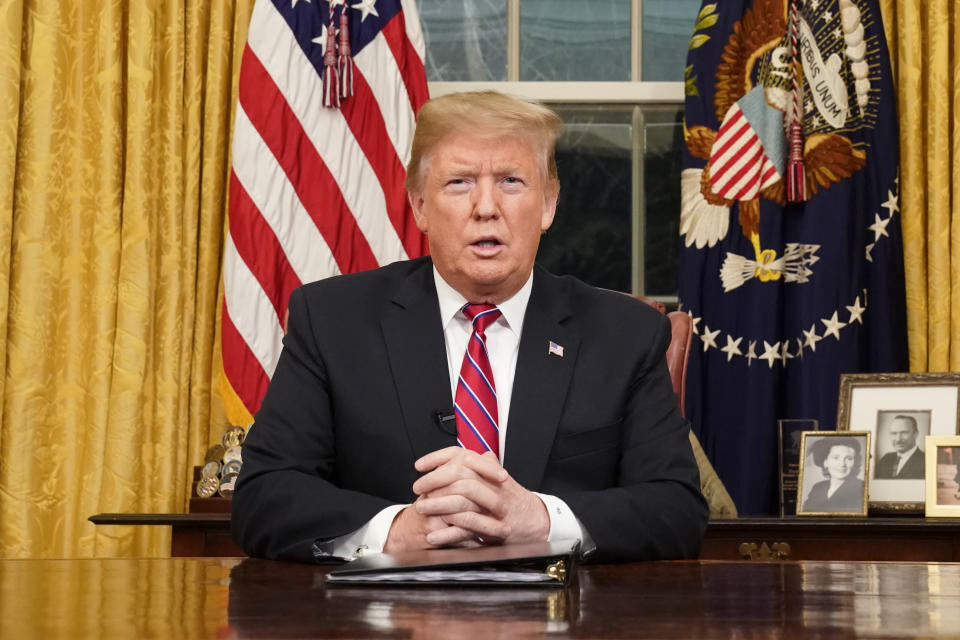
x=503 y=346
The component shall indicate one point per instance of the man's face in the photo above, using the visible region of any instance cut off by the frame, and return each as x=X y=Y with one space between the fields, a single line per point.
x=903 y=435
x=483 y=205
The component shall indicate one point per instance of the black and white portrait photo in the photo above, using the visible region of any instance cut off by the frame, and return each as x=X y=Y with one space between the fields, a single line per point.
x=899 y=443
x=832 y=478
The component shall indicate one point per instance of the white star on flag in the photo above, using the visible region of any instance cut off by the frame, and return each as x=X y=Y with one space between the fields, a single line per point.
x=751 y=354
x=856 y=312
x=732 y=348
x=785 y=352
x=811 y=338
x=833 y=326
x=366 y=7
x=695 y=321
x=879 y=227
x=891 y=203
x=321 y=39
x=709 y=338
x=771 y=352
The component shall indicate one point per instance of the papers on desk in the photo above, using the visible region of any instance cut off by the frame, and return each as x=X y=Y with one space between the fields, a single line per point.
x=447 y=575
x=545 y=563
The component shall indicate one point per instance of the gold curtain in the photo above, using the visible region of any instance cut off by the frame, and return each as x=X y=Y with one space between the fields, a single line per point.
x=114 y=141
x=924 y=38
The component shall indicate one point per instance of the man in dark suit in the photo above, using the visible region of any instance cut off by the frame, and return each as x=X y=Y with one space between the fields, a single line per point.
x=355 y=450
x=908 y=459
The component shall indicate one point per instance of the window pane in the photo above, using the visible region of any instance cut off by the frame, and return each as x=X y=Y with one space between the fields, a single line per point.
x=466 y=41
x=667 y=27
x=566 y=40
x=662 y=145
x=591 y=236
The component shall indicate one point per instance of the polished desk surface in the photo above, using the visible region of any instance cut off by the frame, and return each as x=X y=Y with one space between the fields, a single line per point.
x=250 y=598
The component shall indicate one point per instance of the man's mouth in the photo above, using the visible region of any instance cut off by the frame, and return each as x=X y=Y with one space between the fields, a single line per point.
x=486 y=243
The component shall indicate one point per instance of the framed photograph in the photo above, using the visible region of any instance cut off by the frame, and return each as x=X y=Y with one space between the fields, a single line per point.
x=790 y=434
x=833 y=479
x=899 y=410
x=943 y=476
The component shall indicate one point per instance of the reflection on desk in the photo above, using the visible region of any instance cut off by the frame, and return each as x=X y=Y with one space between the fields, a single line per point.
x=250 y=598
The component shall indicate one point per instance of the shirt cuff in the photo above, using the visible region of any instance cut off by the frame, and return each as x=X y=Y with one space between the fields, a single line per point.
x=564 y=525
x=369 y=538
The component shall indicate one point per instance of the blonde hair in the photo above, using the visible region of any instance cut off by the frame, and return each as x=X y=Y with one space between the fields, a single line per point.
x=485 y=114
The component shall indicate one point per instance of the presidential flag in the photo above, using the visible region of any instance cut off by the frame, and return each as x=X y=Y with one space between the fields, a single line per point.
x=791 y=258
x=328 y=95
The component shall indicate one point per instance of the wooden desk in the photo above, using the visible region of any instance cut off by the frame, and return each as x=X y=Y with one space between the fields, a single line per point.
x=193 y=534
x=872 y=539
x=248 y=598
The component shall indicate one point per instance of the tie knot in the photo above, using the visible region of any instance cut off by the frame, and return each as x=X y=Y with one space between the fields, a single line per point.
x=481 y=315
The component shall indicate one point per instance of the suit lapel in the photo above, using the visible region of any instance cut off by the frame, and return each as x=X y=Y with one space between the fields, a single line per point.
x=541 y=380
x=418 y=361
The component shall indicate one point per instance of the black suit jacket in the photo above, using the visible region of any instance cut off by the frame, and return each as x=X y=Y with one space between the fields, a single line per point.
x=848 y=497
x=912 y=468
x=363 y=375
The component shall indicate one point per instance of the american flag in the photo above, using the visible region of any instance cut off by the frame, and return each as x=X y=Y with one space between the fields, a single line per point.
x=314 y=191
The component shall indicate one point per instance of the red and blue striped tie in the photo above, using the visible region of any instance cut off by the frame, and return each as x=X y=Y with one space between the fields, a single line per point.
x=476 y=402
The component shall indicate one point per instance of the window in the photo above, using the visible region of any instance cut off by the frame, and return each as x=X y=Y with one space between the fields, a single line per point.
x=613 y=70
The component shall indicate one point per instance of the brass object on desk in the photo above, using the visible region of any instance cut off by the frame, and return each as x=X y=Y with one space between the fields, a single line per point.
x=557 y=570
x=227 y=483
x=777 y=551
x=207 y=486
x=233 y=437
x=231 y=467
x=214 y=453
x=210 y=469
x=233 y=453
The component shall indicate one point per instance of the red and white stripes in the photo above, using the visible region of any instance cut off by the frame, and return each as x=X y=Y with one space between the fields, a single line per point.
x=314 y=191
x=739 y=168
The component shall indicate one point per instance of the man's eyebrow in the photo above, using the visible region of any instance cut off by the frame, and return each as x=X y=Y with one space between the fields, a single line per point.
x=460 y=165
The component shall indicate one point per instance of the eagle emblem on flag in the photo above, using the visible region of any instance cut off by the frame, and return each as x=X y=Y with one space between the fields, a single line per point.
x=791 y=258
x=784 y=64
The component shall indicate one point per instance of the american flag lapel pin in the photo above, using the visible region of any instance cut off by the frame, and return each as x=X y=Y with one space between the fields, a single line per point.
x=555 y=349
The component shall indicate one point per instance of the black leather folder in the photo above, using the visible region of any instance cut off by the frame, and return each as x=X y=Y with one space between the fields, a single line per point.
x=544 y=564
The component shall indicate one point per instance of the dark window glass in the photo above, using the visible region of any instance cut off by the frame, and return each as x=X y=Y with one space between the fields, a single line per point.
x=662 y=144
x=591 y=236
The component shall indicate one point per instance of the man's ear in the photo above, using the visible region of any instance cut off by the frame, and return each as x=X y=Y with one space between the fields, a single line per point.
x=549 y=209
x=416 y=203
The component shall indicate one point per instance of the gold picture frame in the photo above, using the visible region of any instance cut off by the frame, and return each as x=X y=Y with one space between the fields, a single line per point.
x=828 y=456
x=882 y=403
x=943 y=476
